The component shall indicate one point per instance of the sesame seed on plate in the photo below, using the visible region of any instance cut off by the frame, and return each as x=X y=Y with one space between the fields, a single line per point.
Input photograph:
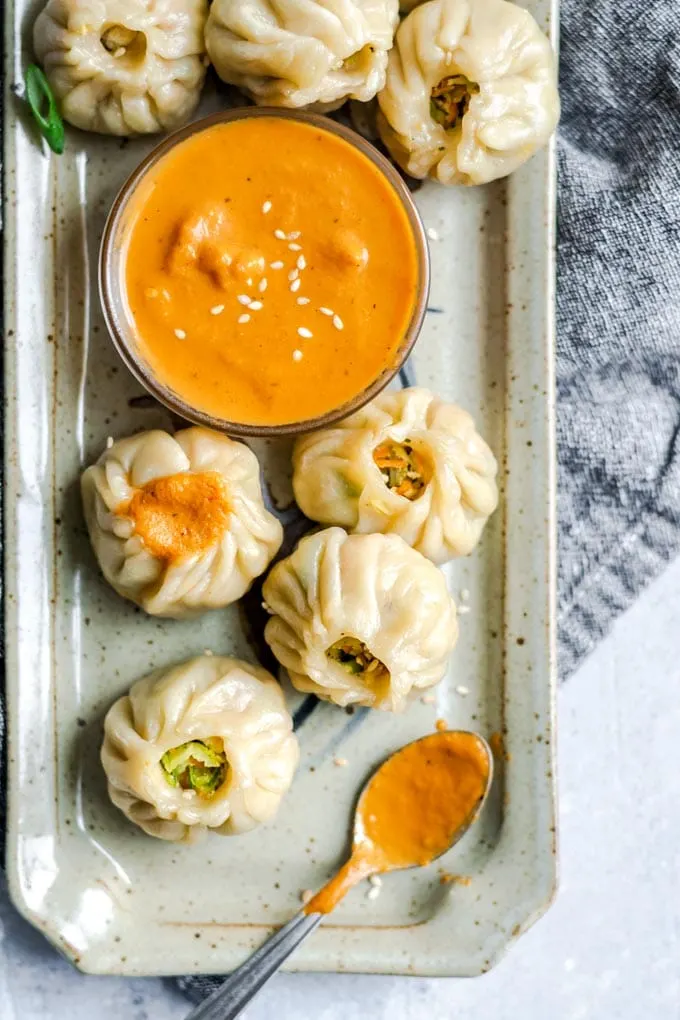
x=463 y=691
x=244 y=299
x=303 y=300
x=337 y=322
x=306 y=895
x=293 y=274
x=294 y=247
x=262 y=285
x=428 y=699
x=340 y=762
x=297 y=355
x=301 y=262
x=180 y=334
x=280 y=234
x=463 y=609
x=464 y=595
x=109 y=442
x=243 y=318
x=295 y=285
x=306 y=333
x=276 y=265
x=432 y=234
x=327 y=311
x=208 y=652
x=217 y=309
x=266 y=207
x=375 y=880
x=373 y=892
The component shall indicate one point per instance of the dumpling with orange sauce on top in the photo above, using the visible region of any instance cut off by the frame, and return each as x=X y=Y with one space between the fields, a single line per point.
x=178 y=523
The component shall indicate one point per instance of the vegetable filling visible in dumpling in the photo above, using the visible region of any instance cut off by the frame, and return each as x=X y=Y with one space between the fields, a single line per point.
x=353 y=655
x=124 y=43
x=199 y=765
x=404 y=470
x=450 y=98
x=180 y=515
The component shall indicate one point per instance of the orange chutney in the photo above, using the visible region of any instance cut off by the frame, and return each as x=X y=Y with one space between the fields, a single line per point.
x=270 y=271
x=412 y=808
x=179 y=515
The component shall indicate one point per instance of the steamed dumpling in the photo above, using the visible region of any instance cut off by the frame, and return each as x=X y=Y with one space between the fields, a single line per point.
x=207 y=744
x=406 y=464
x=121 y=67
x=178 y=523
x=360 y=619
x=301 y=52
x=471 y=91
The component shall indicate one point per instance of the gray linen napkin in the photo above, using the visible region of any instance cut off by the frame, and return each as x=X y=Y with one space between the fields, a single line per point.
x=618 y=319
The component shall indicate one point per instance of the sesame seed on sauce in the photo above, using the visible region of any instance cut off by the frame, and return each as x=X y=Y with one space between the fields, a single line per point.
x=303 y=300
x=293 y=236
x=337 y=322
x=262 y=285
x=151 y=292
x=244 y=299
x=294 y=247
x=266 y=207
x=295 y=285
x=255 y=306
x=297 y=355
x=249 y=281
x=280 y=235
x=293 y=274
x=306 y=333
x=180 y=334
x=327 y=311
x=217 y=309
x=243 y=318
x=301 y=262
x=276 y=265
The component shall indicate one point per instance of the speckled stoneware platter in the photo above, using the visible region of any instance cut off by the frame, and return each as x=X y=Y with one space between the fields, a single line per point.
x=117 y=901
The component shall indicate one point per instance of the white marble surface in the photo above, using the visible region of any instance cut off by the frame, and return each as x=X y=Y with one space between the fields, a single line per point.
x=610 y=946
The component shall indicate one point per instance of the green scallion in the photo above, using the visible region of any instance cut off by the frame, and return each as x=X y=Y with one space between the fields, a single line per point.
x=39 y=94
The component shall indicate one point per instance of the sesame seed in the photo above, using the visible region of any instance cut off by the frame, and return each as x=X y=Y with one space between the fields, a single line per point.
x=463 y=691
x=337 y=322
x=180 y=334
x=109 y=442
x=217 y=309
x=373 y=892
x=327 y=311
x=301 y=262
x=266 y=207
x=244 y=299
x=428 y=699
x=208 y=652
x=297 y=355
x=293 y=274
x=294 y=247
x=262 y=285
x=375 y=880
x=249 y=281
x=306 y=895
x=464 y=595
x=295 y=285
x=276 y=265
x=280 y=234
x=151 y=292
x=294 y=234
x=463 y=609
x=255 y=306
x=243 y=318
x=303 y=300
x=340 y=762
x=432 y=234
x=306 y=333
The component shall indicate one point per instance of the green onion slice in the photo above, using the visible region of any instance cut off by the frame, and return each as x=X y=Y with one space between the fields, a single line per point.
x=39 y=93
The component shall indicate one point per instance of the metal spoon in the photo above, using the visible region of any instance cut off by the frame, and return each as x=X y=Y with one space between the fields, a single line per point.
x=227 y=1002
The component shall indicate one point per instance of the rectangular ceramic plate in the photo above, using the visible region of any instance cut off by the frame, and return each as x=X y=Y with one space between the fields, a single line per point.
x=117 y=901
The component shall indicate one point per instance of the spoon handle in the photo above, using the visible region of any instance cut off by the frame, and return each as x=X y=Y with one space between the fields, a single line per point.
x=243 y=984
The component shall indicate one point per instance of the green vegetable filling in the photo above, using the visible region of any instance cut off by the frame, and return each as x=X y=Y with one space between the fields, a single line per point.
x=450 y=99
x=353 y=655
x=403 y=469
x=197 y=765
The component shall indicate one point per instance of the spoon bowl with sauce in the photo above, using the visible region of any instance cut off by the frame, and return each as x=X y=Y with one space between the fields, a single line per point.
x=416 y=806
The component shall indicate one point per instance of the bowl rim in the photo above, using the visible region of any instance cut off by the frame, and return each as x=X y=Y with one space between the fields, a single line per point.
x=112 y=297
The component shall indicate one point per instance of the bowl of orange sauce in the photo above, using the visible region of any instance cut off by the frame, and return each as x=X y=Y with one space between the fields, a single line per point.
x=264 y=272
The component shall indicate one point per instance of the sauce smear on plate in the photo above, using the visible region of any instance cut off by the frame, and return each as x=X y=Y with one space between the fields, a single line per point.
x=270 y=271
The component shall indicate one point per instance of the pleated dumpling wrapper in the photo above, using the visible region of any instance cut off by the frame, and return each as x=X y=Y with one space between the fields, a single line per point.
x=302 y=52
x=471 y=91
x=123 y=67
x=206 y=744
x=406 y=464
x=178 y=523
x=360 y=619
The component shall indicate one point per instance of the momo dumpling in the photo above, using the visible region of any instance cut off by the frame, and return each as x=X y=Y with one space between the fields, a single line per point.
x=406 y=464
x=123 y=67
x=206 y=744
x=360 y=619
x=471 y=91
x=178 y=523
x=302 y=52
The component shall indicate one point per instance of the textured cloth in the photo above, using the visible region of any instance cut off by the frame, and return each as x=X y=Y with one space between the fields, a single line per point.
x=618 y=318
